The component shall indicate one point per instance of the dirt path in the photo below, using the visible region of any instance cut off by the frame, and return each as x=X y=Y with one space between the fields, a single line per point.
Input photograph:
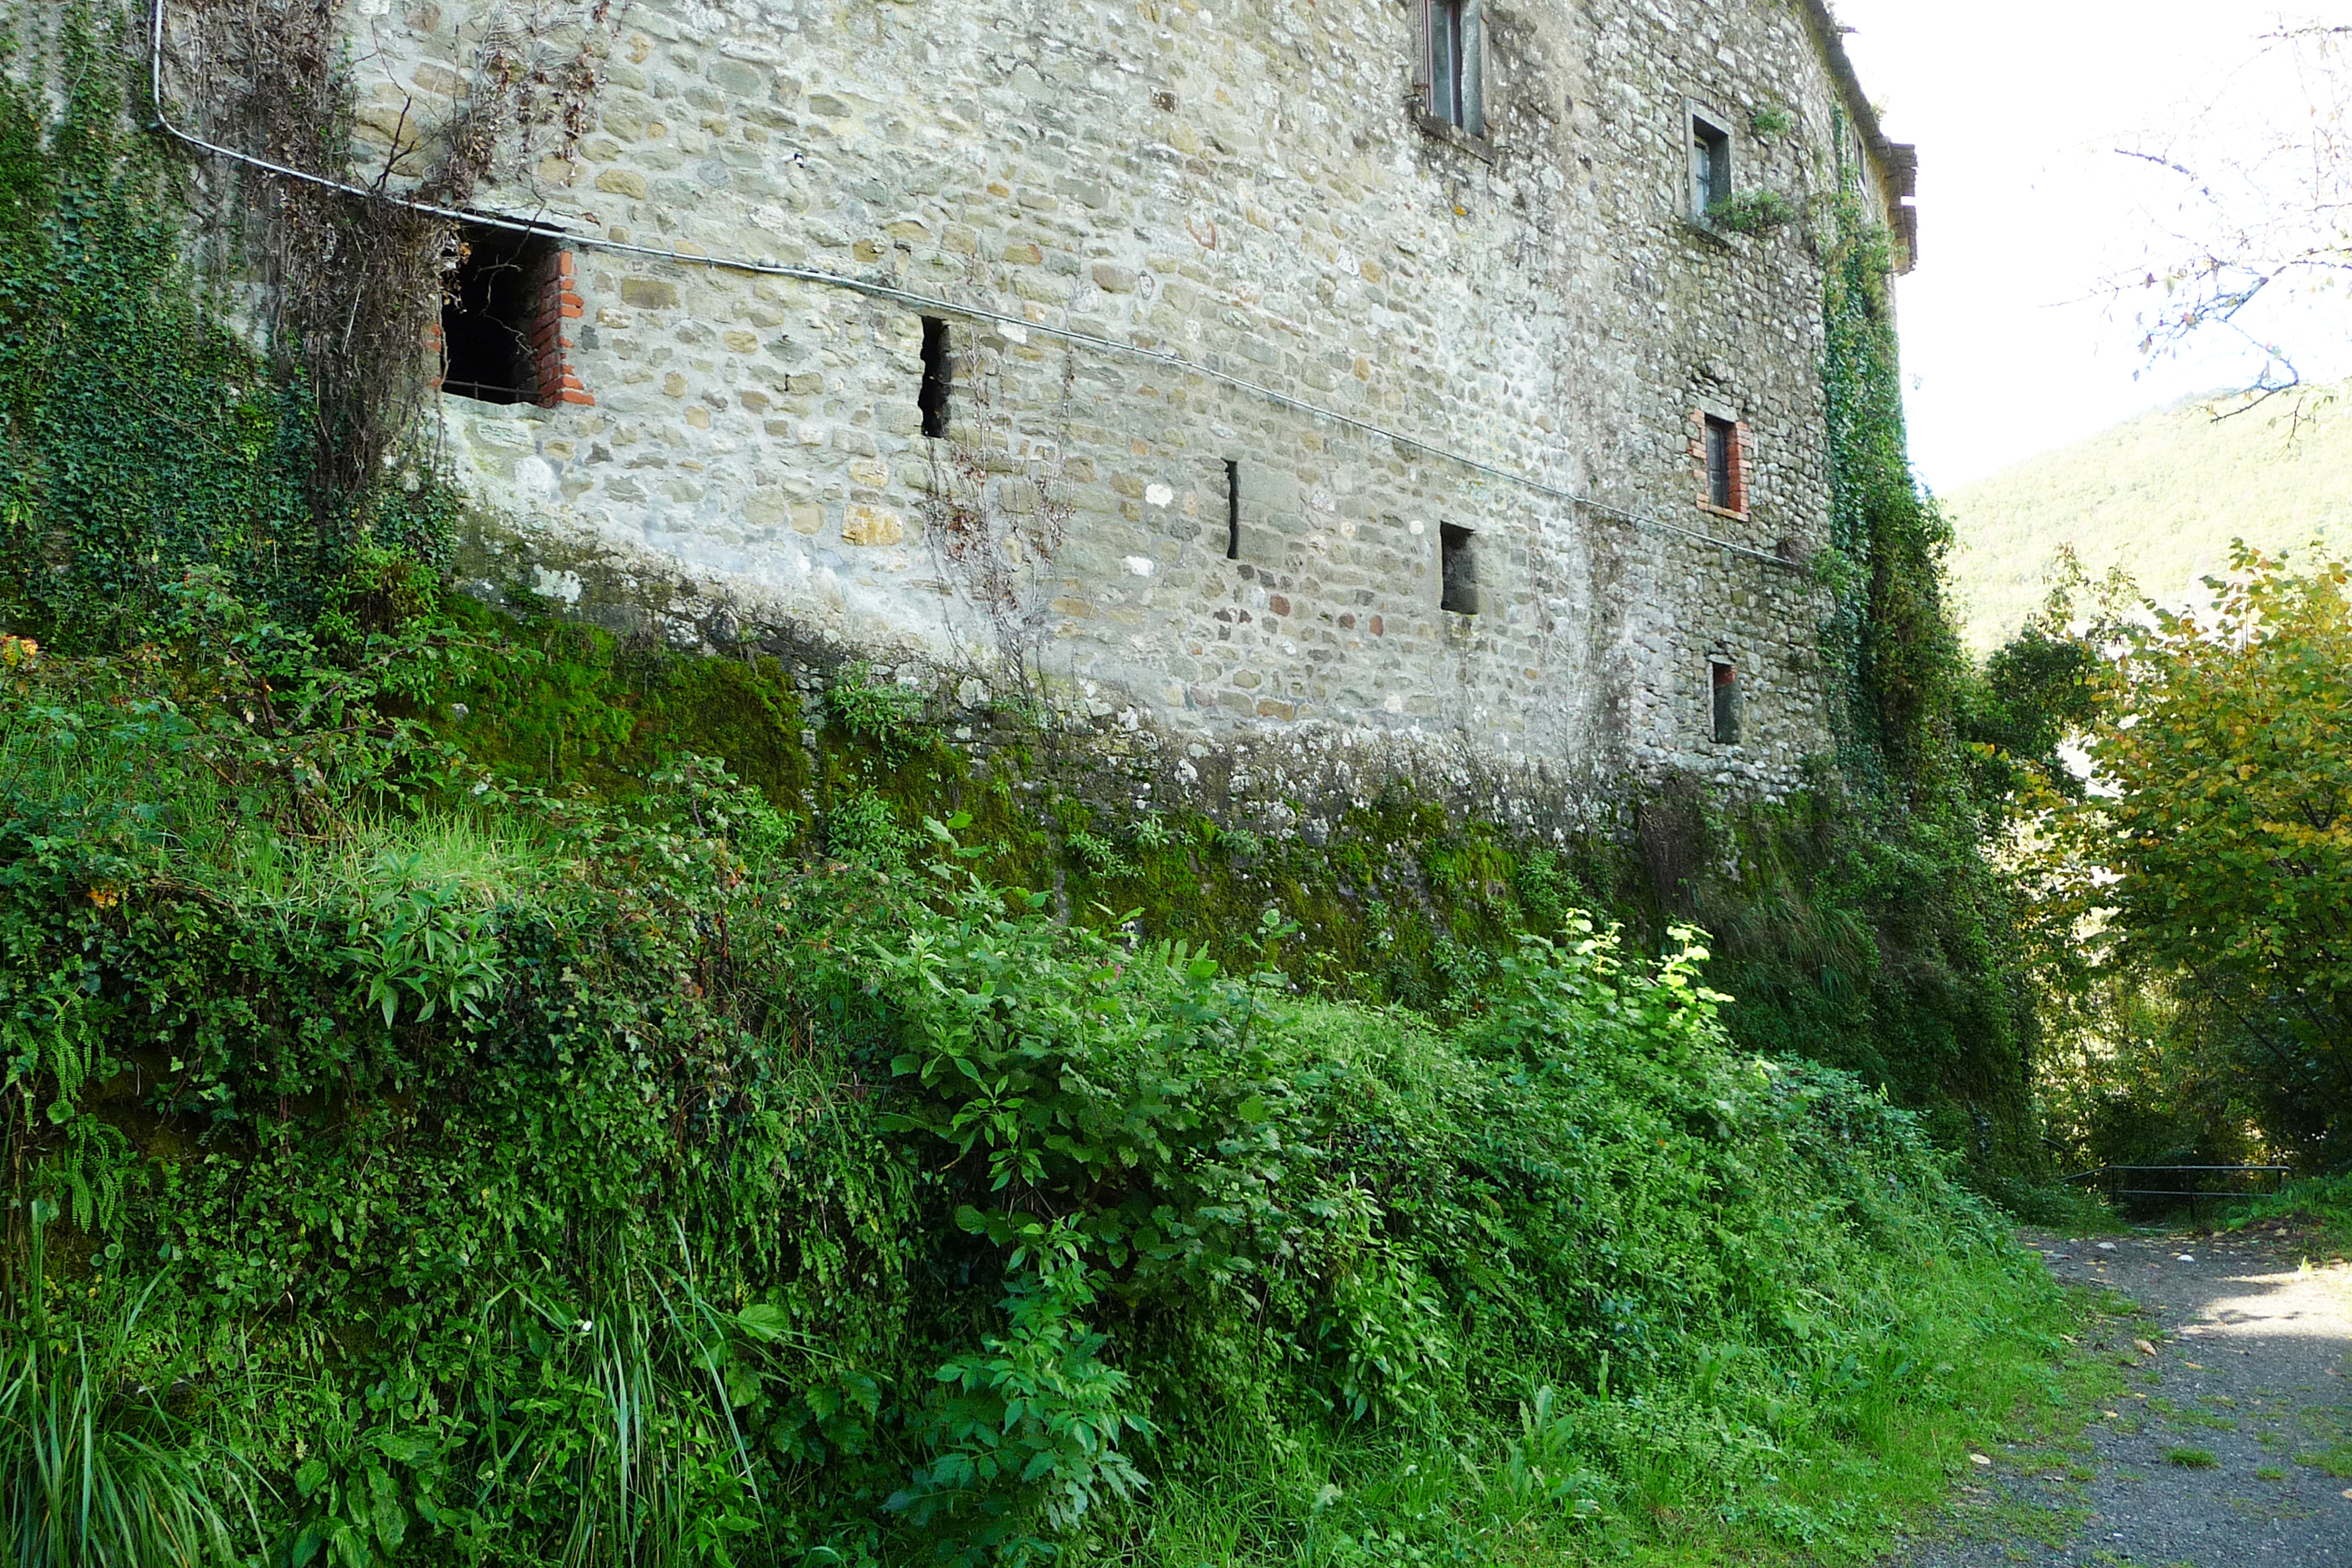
x=2229 y=1447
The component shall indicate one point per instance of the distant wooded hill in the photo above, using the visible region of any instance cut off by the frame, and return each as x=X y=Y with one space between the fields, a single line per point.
x=2162 y=495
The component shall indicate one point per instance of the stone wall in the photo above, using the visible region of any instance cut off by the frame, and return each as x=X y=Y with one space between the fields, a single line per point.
x=1167 y=236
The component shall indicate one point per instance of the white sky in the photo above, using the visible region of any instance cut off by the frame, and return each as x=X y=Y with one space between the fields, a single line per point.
x=2018 y=107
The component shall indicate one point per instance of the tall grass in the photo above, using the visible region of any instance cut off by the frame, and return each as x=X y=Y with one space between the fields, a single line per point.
x=94 y=1471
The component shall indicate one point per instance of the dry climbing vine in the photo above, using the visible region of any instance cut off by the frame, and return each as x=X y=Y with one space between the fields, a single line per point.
x=996 y=518
x=352 y=285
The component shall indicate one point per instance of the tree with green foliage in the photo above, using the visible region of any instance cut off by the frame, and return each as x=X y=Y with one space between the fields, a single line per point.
x=2217 y=840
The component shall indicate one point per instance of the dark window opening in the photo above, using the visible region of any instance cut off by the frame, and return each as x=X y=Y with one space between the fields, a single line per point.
x=1724 y=675
x=939 y=377
x=490 y=309
x=1710 y=165
x=1722 y=463
x=1459 y=568
x=1232 y=510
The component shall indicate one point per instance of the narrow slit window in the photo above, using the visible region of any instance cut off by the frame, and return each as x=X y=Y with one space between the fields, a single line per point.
x=491 y=306
x=939 y=377
x=1710 y=165
x=1722 y=463
x=1458 y=567
x=1233 y=509
x=1723 y=680
x=1451 y=52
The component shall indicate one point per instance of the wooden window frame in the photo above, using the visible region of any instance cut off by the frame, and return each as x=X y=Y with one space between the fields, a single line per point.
x=1702 y=125
x=1467 y=112
x=1706 y=423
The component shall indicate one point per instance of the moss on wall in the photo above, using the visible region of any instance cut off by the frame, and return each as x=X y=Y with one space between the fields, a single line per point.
x=1845 y=926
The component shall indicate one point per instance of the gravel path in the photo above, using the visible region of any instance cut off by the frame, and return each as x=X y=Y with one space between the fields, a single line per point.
x=2231 y=1445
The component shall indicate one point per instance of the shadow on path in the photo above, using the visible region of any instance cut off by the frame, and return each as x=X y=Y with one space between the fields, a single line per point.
x=2229 y=1447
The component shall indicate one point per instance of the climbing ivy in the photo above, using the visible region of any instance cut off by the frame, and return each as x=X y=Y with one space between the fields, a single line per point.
x=1864 y=921
x=142 y=436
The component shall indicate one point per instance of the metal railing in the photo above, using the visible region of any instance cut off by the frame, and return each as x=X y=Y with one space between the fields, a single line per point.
x=2111 y=1178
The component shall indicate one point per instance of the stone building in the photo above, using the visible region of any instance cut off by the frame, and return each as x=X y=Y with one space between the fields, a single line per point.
x=1448 y=368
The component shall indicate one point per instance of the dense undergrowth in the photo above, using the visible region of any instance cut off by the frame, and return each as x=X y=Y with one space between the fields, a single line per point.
x=480 y=1091
x=1850 y=929
x=504 y=1175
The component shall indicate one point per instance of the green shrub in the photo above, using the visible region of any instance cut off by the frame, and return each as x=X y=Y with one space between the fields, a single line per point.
x=772 y=1206
x=2325 y=1199
x=1753 y=212
x=886 y=717
x=861 y=825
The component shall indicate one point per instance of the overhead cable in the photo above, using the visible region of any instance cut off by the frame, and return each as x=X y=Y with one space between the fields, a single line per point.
x=928 y=303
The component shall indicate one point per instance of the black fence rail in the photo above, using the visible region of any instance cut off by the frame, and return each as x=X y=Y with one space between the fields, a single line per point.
x=2190 y=1184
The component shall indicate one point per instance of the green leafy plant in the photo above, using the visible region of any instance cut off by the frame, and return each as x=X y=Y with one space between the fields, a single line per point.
x=1753 y=212
x=1026 y=1436
x=1101 y=856
x=884 y=715
x=417 y=948
x=861 y=825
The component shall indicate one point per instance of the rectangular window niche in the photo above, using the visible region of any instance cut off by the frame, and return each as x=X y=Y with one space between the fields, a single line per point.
x=1458 y=568
x=1710 y=162
x=507 y=321
x=1723 y=687
x=1233 y=509
x=935 y=397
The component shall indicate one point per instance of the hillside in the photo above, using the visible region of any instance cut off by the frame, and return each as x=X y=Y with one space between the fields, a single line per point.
x=2162 y=495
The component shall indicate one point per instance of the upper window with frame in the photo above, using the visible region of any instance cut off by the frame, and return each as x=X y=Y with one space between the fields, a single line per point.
x=1710 y=162
x=1453 y=64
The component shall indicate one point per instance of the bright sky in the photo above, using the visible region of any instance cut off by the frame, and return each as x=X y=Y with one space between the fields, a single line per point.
x=2018 y=107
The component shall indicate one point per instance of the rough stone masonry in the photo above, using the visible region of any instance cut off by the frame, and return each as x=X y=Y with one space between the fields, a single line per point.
x=1359 y=367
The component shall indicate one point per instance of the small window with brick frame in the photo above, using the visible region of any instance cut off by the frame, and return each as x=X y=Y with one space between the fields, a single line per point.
x=1720 y=446
x=508 y=304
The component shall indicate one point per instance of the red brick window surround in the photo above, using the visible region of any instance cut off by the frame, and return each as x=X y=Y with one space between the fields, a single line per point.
x=552 y=339
x=1723 y=457
x=509 y=307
